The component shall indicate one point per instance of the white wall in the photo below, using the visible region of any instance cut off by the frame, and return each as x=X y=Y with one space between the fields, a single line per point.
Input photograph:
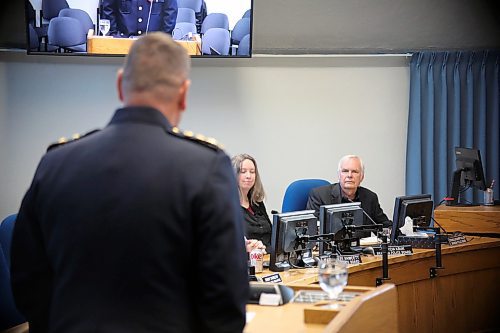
x=297 y=116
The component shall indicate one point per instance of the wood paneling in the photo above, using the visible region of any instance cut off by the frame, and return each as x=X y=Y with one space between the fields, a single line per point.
x=475 y=219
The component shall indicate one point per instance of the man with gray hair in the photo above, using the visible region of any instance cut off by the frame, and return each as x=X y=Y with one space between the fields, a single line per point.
x=351 y=172
x=137 y=227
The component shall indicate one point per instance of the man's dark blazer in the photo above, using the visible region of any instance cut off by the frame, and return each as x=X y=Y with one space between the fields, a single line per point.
x=135 y=228
x=331 y=194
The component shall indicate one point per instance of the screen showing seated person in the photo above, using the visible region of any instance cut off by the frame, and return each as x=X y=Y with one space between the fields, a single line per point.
x=205 y=28
x=290 y=239
x=415 y=208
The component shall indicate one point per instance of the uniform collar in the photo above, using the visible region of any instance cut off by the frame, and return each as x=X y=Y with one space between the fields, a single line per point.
x=140 y=114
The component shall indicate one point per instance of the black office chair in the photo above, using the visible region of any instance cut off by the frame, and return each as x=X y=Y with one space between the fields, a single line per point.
x=51 y=8
x=34 y=44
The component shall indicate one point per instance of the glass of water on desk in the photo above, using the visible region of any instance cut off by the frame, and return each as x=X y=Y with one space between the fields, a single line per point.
x=332 y=277
x=104 y=26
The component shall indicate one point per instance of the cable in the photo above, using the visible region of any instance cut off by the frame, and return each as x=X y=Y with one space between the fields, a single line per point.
x=439 y=225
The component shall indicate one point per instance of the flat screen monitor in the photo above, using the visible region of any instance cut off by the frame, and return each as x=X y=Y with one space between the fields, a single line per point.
x=418 y=207
x=286 y=229
x=333 y=219
x=468 y=174
x=205 y=28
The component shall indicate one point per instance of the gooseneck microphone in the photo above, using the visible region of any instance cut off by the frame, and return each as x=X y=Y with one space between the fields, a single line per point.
x=149 y=15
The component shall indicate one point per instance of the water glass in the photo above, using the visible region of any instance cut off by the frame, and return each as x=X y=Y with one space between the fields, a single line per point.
x=104 y=26
x=332 y=276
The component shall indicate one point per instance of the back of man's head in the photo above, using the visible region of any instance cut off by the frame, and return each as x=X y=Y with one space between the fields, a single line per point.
x=155 y=65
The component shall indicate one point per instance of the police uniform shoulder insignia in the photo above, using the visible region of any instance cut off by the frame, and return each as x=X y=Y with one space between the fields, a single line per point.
x=209 y=142
x=63 y=140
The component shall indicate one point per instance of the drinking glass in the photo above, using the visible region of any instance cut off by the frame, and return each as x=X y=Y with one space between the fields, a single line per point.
x=104 y=26
x=332 y=276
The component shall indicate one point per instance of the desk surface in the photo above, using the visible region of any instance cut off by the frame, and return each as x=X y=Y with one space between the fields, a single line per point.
x=298 y=277
x=463 y=296
x=373 y=310
x=469 y=219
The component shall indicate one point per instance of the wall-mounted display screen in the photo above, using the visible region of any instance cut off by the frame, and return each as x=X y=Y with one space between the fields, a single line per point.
x=206 y=28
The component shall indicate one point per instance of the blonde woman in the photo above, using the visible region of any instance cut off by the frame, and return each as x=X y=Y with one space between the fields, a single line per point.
x=257 y=223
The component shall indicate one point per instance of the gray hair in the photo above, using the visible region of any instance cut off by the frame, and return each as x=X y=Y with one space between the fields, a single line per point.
x=256 y=193
x=155 y=64
x=348 y=157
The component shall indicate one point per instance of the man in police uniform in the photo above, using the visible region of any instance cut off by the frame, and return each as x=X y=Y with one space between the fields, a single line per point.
x=137 y=227
x=138 y=17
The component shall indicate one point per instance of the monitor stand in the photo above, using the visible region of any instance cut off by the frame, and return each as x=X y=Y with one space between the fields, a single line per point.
x=455 y=192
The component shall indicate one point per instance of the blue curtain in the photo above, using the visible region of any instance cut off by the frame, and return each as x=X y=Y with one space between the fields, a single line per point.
x=454 y=102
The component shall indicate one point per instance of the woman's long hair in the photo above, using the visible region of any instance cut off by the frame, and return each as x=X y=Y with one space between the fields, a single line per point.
x=256 y=193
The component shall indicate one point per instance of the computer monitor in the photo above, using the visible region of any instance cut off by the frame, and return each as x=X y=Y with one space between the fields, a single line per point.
x=286 y=231
x=334 y=218
x=418 y=207
x=468 y=173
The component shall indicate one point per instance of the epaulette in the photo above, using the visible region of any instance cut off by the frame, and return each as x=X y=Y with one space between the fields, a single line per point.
x=199 y=138
x=74 y=137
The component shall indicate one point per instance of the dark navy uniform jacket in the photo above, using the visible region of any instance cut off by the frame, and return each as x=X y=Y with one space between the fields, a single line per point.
x=130 y=17
x=131 y=229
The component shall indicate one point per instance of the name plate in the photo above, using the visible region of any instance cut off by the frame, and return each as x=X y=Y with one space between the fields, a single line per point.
x=395 y=250
x=352 y=259
x=274 y=278
x=456 y=238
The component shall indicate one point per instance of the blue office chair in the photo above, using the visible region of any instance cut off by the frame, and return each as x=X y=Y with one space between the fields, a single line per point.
x=244 y=47
x=215 y=20
x=297 y=193
x=6 y=231
x=80 y=15
x=215 y=42
x=67 y=34
x=84 y=18
x=185 y=15
x=240 y=30
x=193 y=4
x=9 y=315
x=182 y=29
x=247 y=13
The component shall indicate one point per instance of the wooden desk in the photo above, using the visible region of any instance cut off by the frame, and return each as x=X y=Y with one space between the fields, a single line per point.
x=474 y=219
x=462 y=298
x=110 y=45
x=372 y=311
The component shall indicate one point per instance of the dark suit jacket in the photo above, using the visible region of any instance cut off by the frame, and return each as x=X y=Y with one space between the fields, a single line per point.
x=331 y=194
x=258 y=225
x=131 y=229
